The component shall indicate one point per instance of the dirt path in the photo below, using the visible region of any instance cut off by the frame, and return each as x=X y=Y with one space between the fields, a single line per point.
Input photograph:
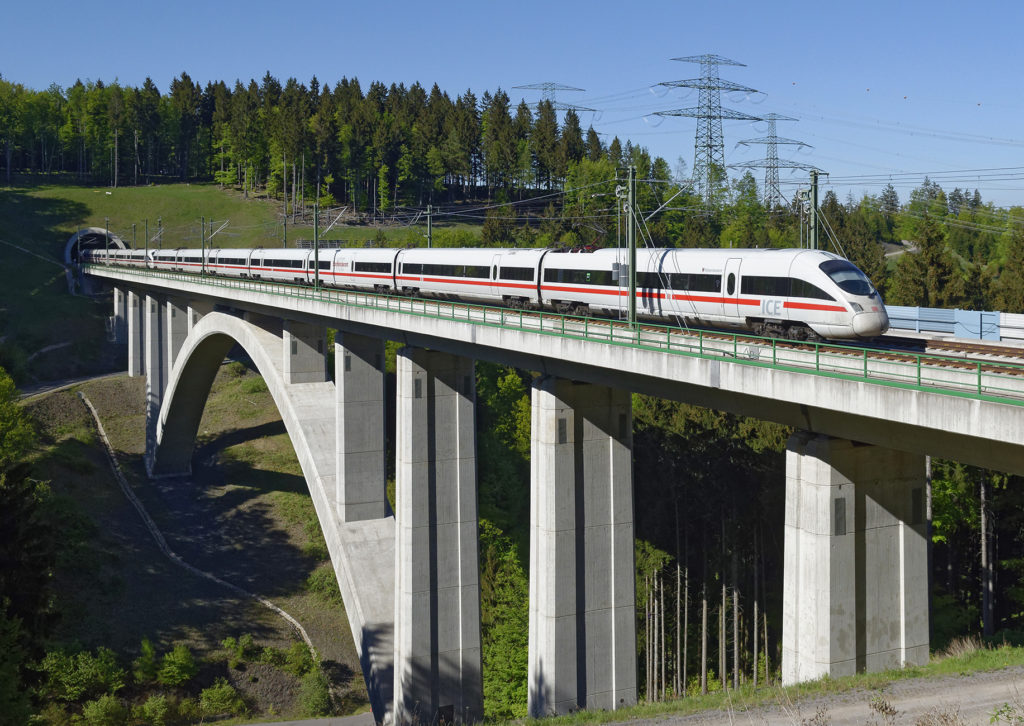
x=945 y=701
x=161 y=542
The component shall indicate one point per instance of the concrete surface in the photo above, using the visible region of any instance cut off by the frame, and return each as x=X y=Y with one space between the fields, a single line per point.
x=361 y=486
x=437 y=585
x=582 y=590
x=135 y=330
x=984 y=433
x=855 y=586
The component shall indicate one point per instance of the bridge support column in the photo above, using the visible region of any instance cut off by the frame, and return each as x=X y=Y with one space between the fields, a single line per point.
x=855 y=594
x=305 y=353
x=437 y=589
x=177 y=330
x=361 y=482
x=582 y=590
x=135 y=334
x=120 y=315
x=156 y=368
x=196 y=311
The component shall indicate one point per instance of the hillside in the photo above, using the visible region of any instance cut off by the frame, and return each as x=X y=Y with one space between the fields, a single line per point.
x=245 y=517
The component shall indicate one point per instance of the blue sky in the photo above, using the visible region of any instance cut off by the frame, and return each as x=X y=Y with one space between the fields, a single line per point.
x=882 y=90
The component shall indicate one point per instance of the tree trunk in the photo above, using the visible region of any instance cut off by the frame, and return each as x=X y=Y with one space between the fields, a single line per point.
x=704 y=638
x=662 y=608
x=679 y=628
x=735 y=624
x=647 y=637
x=986 y=563
x=722 y=659
x=764 y=614
x=928 y=542
x=755 y=610
x=686 y=625
x=722 y=645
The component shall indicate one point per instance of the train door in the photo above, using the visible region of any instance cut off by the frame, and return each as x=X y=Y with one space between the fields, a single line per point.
x=495 y=286
x=732 y=288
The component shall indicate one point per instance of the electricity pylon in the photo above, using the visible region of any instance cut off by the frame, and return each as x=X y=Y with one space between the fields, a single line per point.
x=547 y=91
x=708 y=147
x=771 y=163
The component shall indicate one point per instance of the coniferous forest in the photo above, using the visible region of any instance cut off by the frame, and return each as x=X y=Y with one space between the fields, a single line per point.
x=709 y=486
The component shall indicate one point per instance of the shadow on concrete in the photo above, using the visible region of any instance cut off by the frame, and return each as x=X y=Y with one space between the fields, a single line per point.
x=377 y=662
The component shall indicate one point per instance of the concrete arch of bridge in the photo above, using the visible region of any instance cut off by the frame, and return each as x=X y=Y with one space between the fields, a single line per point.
x=91 y=238
x=361 y=552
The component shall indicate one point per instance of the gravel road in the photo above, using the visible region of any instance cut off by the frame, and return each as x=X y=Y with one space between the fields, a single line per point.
x=945 y=701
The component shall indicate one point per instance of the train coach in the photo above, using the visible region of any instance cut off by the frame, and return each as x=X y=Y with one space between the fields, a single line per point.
x=793 y=293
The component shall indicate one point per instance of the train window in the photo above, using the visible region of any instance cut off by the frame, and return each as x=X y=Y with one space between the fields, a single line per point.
x=325 y=265
x=412 y=268
x=579 y=277
x=481 y=271
x=371 y=267
x=730 y=285
x=757 y=285
x=494 y=272
x=446 y=270
x=849 y=278
x=649 y=280
x=517 y=273
x=802 y=288
x=698 y=283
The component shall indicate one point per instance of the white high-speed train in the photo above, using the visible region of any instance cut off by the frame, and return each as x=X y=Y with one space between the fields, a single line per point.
x=793 y=293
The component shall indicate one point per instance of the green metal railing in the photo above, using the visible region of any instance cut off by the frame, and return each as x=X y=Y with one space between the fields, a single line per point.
x=997 y=382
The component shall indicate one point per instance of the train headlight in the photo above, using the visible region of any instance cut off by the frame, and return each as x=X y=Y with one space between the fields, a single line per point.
x=857 y=308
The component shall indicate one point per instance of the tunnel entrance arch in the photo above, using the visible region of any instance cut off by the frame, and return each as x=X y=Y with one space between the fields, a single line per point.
x=91 y=238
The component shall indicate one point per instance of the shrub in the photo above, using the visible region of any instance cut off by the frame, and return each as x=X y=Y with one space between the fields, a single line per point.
x=106 y=710
x=219 y=699
x=323 y=583
x=272 y=656
x=963 y=646
x=298 y=661
x=254 y=385
x=146 y=667
x=156 y=710
x=178 y=667
x=189 y=711
x=315 y=694
x=72 y=678
x=239 y=651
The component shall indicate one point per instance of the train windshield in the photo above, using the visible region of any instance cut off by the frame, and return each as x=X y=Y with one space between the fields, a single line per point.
x=849 y=278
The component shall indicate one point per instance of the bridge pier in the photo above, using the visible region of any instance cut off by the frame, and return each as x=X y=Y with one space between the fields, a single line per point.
x=157 y=370
x=133 y=309
x=196 y=310
x=855 y=594
x=361 y=483
x=437 y=590
x=582 y=589
x=120 y=315
x=177 y=330
x=305 y=352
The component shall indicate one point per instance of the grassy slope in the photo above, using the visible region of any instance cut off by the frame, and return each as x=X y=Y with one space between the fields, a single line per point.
x=245 y=517
x=747 y=698
x=35 y=309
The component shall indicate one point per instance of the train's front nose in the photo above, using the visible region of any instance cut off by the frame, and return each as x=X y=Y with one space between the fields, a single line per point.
x=871 y=322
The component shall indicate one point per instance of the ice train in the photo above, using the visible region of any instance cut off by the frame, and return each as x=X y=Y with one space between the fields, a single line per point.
x=791 y=293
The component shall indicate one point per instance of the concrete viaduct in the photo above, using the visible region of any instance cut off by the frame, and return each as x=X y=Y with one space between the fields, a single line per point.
x=855 y=591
